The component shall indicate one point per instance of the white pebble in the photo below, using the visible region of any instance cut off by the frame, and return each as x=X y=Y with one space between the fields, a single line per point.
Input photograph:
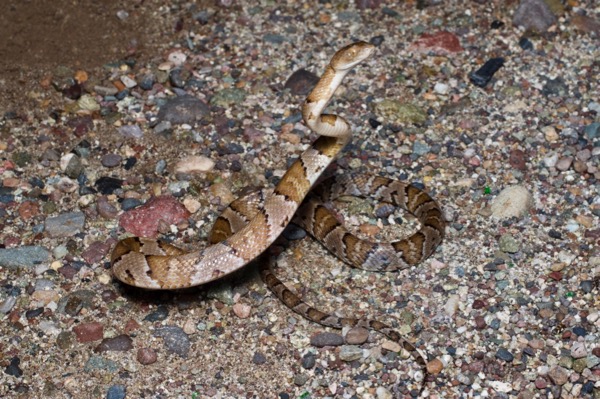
x=128 y=82
x=551 y=160
x=383 y=393
x=572 y=226
x=578 y=350
x=194 y=164
x=440 y=88
x=177 y=58
x=451 y=305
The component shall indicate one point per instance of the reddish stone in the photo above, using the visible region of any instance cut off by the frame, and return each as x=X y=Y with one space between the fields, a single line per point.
x=480 y=323
x=81 y=125
x=105 y=208
x=131 y=325
x=87 y=332
x=144 y=220
x=12 y=241
x=540 y=383
x=517 y=159
x=440 y=43
x=96 y=252
x=28 y=209
x=146 y=356
x=555 y=276
x=68 y=271
x=596 y=351
x=478 y=304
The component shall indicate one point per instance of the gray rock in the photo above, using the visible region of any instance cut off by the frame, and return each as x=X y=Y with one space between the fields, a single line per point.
x=184 y=109
x=131 y=131
x=349 y=353
x=26 y=256
x=7 y=305
x=175 y=340
x=65 y=225
x=534 y=14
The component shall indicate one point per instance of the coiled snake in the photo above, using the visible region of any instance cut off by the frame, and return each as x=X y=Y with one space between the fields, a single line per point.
x=252 y=223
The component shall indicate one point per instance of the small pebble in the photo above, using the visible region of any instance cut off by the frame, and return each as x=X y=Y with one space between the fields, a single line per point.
x=120 y=343
x=116 y=392
x=505 y=355
x=326 y=339
x=146 y=356
x=357 y=336
x=308 y=361
x=111 y=160
x=175 y=340
x=259 y=358
x=349 y=353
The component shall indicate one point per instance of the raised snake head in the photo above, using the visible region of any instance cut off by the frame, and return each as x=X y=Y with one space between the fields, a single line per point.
x=351 y=55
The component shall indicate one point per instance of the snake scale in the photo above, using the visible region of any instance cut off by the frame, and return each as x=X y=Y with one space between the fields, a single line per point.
x=252 y=223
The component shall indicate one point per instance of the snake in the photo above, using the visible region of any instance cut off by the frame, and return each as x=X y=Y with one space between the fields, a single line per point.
x=252 y=223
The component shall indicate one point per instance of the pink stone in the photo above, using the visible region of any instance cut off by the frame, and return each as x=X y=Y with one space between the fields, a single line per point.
x=442 y=43
x=144 y=220
x=242 y=310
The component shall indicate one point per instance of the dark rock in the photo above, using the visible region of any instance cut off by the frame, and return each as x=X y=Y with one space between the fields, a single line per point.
x=161 y=313
x=120 y=343
x=13 y=368
x=308 y=361
x=483 y=75
x=259 y=358
x=505 y=355
x=108 y=185
x=301 y=82
x=525 y=44
x=33 y=313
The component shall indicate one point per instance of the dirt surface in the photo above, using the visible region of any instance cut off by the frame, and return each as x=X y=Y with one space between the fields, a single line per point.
x=38 y=36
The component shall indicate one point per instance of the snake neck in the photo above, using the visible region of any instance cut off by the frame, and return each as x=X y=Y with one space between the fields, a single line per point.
x=317 y=101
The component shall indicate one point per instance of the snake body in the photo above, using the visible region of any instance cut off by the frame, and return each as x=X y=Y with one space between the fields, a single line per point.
x=252 y=223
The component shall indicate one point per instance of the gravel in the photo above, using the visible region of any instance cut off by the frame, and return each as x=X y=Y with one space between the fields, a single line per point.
x=158 y=142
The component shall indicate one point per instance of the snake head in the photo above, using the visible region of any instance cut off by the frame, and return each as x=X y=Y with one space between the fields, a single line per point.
x=351 y=55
